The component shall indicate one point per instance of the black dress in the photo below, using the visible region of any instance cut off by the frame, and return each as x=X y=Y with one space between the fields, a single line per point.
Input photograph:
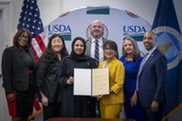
x=75 y=106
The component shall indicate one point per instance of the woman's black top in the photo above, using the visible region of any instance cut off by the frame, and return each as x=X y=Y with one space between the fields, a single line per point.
x=30 y=63
x=47 y=80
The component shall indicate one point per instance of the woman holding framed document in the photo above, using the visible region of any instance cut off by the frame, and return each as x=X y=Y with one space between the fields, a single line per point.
x=76 y=105
x=111 y=105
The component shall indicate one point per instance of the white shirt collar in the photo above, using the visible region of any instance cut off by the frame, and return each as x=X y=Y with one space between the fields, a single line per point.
x=99 y=40
x=151 y=51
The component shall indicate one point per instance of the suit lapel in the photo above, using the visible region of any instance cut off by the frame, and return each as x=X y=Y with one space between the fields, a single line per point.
x=111 y=63
x=32 y=56
x=149 y=59
x=21 y=55
x=89 y=45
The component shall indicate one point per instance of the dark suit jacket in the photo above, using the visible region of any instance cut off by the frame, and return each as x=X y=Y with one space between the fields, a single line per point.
x=152 y=79
x=15 y=70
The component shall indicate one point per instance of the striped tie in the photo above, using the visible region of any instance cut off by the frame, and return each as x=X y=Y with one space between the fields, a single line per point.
x=97 y=51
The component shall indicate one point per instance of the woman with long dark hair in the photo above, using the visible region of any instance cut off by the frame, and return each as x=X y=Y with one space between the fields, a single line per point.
x=48 y=75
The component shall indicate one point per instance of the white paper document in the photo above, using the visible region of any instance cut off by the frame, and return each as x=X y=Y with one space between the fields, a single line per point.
x=91 y=82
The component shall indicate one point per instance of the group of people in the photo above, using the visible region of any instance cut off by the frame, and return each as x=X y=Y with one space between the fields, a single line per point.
x=136 y=82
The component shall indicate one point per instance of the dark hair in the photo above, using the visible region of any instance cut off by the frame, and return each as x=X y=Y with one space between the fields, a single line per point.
x=84 y=44
x=112 y=45
x=19 y=33
x=136 y=51
x=81 y=57
x=49 y=56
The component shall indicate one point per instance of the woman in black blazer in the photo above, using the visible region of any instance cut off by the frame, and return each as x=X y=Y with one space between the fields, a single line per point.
x=47 y=76
x=18 y=68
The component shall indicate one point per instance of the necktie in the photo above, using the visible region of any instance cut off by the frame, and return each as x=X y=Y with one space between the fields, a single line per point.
x=140 y=69
x=97 y=51
x=143 y=62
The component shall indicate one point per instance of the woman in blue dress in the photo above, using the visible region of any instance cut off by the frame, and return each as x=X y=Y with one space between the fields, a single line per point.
x=131 y=59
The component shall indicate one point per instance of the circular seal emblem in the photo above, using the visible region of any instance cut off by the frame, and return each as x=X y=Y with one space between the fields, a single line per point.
x=131 y=14
x=169 y=43
x=104 y=34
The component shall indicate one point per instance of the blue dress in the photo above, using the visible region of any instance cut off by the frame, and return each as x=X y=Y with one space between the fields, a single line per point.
x=131 y=70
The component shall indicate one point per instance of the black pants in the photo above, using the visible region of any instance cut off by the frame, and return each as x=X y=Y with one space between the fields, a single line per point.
x=19 y=118
x=52 y=110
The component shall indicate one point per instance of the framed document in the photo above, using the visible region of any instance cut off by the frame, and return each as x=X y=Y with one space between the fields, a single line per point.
x=90 y=82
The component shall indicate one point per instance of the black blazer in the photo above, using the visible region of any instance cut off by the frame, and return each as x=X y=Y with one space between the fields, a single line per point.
x=15 y=70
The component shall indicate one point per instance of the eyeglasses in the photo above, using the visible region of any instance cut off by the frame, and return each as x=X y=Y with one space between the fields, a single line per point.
x=109 y=49
x=26 y=37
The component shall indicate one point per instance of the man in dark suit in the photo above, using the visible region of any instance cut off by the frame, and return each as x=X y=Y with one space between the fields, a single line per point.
x=97 y=29
x=151 y=80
